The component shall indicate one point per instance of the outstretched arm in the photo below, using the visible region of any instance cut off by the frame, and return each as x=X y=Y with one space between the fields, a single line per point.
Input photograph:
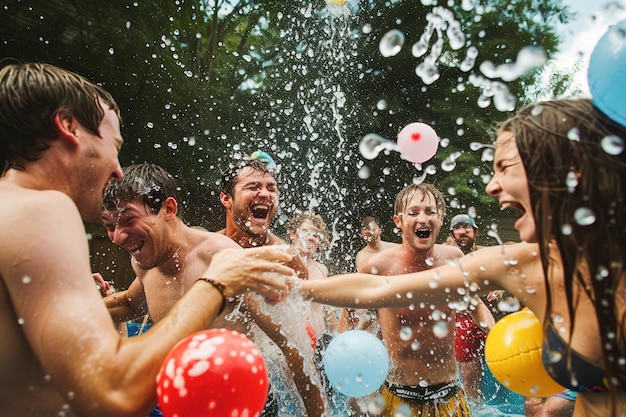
x=509 y=267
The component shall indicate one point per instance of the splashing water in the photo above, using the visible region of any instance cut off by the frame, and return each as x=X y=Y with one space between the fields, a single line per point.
x=391 y=43
x=584 y=216
x=612 y=145
x=373 y=144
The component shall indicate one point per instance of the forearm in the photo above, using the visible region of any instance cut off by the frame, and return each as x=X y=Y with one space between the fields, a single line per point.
x=309 y=386
x=487 y=269
x=482 y=316
x=120 y=308
x=132 y=369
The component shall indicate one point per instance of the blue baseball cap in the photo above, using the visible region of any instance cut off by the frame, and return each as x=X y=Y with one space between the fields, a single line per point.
x=462 y=219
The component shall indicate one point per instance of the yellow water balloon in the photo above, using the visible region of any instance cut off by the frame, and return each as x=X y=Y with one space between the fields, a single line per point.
x=513 y=354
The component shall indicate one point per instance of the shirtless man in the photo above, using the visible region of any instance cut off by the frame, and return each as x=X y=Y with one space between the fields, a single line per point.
x=370 y=232
x=471 y=325
x=60 y=352
x=365 y=319
x=420 y=340
x=308 y=235
x=249 y=194
x=141 y=214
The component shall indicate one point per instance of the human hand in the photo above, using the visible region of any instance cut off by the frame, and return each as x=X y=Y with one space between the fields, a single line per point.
x=260 y=270
x=103 y=286
x=495 y=295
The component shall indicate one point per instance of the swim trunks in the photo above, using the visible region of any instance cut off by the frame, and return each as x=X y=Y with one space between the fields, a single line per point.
x=440 y=400
x=469 y=339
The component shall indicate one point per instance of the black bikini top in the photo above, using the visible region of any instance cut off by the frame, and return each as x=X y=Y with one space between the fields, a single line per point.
x=584 y=376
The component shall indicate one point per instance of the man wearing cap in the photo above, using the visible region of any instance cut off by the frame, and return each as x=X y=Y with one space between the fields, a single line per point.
x=470 y=337
x=464 y=233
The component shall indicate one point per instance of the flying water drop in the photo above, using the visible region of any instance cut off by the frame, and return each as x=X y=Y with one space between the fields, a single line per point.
x=373 y=144
x=391 y=43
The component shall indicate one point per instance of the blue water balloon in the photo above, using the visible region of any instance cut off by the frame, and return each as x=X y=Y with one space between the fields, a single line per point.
x=356 y=363
x=607 y=73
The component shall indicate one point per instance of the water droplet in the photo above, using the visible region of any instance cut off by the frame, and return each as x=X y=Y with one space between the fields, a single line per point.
x=601 y=273
x=419 y=48
x=531 y=290
x=456 y=37
x=430 y=261
x=509 y=305
x=428 y=72
x=406 y=333
x=26 y=279
x=415 y=344
x=149 y=125
x=612 y=145
x=391 y=43
x=373 y=144
x=574 y=134
x=376 y=406
x=483 y=101
x=571 y=180
x=537 y=109
x=493 y=232
x=440 y=329
x=488 y=155
x=403 y=410
x=566 y=229
x=20 y=321
x=474 y=146
x=470 y=59
x=364 y=173
x=584 y=216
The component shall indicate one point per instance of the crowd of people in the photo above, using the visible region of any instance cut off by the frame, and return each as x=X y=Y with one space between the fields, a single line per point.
x=64 y=355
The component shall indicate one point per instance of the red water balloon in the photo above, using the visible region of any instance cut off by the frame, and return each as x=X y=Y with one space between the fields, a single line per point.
x=418 y=142
x=213 y=373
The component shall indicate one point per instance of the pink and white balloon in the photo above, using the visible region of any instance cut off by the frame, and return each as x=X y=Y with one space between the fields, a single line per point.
x=213 y=373
x=418 y=142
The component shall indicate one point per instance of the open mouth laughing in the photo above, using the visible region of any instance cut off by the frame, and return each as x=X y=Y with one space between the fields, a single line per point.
x=423 y=233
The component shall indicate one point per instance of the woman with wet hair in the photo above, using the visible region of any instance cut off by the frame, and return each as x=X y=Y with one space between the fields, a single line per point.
x=562 y=166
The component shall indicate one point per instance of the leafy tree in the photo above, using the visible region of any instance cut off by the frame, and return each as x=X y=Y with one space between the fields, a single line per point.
x=203 y=82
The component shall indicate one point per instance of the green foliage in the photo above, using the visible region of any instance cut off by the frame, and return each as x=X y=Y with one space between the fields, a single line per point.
x=201 y=83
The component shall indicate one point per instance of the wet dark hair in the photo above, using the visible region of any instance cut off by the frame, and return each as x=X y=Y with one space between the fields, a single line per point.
x=406 y=194
x=149 y=182
x=570 y=172
x=30 y=97
x=230 y=176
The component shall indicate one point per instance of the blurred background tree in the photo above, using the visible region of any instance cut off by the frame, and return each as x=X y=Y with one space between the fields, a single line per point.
x=202 y=83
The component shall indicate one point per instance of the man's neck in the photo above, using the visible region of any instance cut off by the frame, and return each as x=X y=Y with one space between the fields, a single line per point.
x=418 y=256
x=247 y=240
x=374 y=245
